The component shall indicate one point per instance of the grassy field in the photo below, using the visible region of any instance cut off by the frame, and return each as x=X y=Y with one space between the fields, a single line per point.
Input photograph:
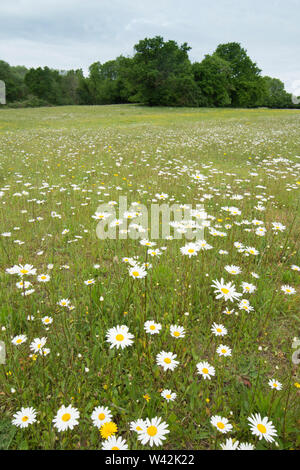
x=235 y=358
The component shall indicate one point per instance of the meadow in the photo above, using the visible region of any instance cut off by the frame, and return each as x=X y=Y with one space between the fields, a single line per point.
x=145 y=343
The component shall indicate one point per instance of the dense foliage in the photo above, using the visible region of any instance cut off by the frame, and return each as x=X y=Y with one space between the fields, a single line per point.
x=160 y=73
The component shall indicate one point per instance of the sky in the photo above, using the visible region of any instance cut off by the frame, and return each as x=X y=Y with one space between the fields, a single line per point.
x=64 y=34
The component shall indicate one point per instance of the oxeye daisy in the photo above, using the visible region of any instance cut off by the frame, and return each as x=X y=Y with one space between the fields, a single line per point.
x=233 y=269
x=137 y=272
x=177 y=331
x=248 y=288
x=222 y=424
x=119 y=337
x=168 y=395
x=225 y=291
x=206 y=370
x=191 y=249
x=261 y=427
x=17 y=340
x=230 y=445
x=108 y=429
x=64 y=303
x=153 y=432
x=137 y=425
x=100 y=416
x=66 y=418
x=47 y=320
x=246 y=446
x=275 y=384
x=151 y=327
x=37 y=344
x=223 y=350
x=167 y=360
x=24 y=417
x=218 y=330
x=288 y=290
x=43 y=278
x=89 y=282
x=114 y=443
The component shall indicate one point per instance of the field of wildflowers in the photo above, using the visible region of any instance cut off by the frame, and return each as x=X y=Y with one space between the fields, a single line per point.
x=135 y=342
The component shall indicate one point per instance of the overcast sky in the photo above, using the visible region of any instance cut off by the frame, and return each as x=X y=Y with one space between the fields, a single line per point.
x=66 y=34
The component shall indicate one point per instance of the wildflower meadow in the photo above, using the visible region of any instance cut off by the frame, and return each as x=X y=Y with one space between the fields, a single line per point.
x=122 y=331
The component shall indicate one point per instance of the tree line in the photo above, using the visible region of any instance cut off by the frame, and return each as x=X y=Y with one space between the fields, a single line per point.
x=159 y=73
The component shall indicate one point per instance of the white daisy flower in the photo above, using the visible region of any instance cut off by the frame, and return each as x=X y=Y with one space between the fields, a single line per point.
x=17 y=340
x=225 y=291
x=230 y=445
x=137 y=272
x=275 y=384
x=261 y=427
x=153 y=432
x=37 y=344
x=101 y=415
x=222 y=424
x=167 y=360
x=137 y=425
x=223 y=350
x=151 y=327
x=114 y=443
x=168 y=395
x=206 y=370
x=218 y=330
x=288 y=290
x=119 y=337
x=66 y=418
x=43 y=278
x=24 y=417
x=177 y=331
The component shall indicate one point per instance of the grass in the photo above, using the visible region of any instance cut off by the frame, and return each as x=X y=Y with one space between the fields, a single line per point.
x=57 y=165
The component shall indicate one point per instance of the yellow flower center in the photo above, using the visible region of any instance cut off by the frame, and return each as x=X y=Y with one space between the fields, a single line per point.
x=152 y=431
x=221 y=425
x=176 y=333
x=168 y=396
x=262 y=428
x=25 y=418
x=219 y=330
x=119 y=337
x=115 y=448
x=66 y=417
x=101 y=416
x=191 y=250
x=224 y=290
x=24 y=271
x=223 y=351
x=19 y=341
x=152 y=327
x=205 y=370
x=167 y=360
x=135 y=273
x=138 y=428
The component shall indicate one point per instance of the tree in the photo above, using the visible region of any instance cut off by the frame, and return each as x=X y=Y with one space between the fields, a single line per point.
x=162 y=73
x=15 y=87
x=246 y=81
x=275 y=94
x=212 y=76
